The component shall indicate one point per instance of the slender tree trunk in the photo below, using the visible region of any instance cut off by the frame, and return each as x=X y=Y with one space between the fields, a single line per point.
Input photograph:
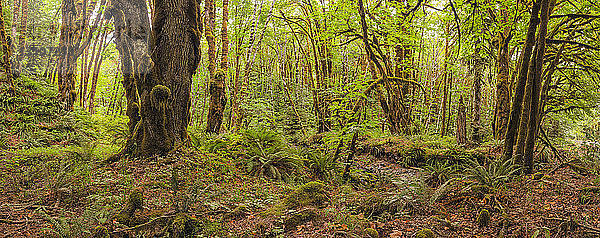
x=6 y=52
x=16 y=9
x=445 y=86
x=502 y=109
x=461 y=122
x=217 y=79
x=477 y=78
x=535 y=99
x=97 y=64
x=517 y=101
x=22 y=33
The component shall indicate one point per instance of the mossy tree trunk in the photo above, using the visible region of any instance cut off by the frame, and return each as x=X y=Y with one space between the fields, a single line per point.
x=477 y=78
x=517 y=98
x=502 y=108
x=461 y=122
x=132 y=33
x=6 y=52
x=532 y=125
x=22 y=33
x=75 y=36
x=217 y=78
x=165 y=92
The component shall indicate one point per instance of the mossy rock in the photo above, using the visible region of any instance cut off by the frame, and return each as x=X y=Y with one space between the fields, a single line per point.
x=100 y=232
x=311 y=194
x=425 y=233
x=135 y=202
x=537 y=176
x=183 y=226
x=239 y=211
x=377 y=204
x=371 y=233
x=297 y=218
x=483 y=219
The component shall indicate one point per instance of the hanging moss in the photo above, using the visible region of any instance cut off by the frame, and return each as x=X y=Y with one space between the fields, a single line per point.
x=425 y=233
x=483 y=219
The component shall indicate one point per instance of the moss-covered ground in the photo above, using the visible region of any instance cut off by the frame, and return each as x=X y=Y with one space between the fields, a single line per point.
x=61 y=186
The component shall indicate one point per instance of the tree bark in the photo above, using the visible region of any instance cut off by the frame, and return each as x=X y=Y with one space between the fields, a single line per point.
x=165 y=93
x=217 y=79
x=461 y=123
x=477 y=78
x=502 y=108
x=517 y=100
x=533 y=122
x=6 y=52
x=132 y=33
x=22 y=33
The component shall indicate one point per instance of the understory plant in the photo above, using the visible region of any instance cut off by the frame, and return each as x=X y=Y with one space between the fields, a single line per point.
x=494 y=174
x=267 y=155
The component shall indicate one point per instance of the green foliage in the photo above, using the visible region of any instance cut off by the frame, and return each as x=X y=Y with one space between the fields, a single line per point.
x=438 y=172
x=320 y=164
x=493 y=174
x=267 y=155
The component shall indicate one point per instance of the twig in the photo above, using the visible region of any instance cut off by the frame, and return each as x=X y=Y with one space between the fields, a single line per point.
x=11 y=221
x=141 y=226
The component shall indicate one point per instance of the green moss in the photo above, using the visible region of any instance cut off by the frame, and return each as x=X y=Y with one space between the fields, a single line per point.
x=184 y=226
x=483 y=219
x=537 y=176
x=135 y=201
x=311 y=194
x=239 y=211
x=377 y=204
x=295 y=219
x=425 y=233
x=371 y=233
x=100 y=232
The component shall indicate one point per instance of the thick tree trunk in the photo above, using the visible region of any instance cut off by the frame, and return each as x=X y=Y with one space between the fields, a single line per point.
x=517 y=101
x=165 y=93
x=132 y=33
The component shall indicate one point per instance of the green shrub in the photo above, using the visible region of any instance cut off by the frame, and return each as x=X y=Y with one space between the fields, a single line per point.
x=266 y=154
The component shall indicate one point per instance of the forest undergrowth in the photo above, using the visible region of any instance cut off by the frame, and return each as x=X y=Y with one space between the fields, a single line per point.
x=55 y=181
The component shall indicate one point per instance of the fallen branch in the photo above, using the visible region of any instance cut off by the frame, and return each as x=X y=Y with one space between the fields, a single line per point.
x=573 y=223
x=7 y=221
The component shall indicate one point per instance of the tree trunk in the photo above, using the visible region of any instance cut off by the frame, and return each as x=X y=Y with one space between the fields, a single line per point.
x=461 y=123
x=22 y=33
x=67 y=62
x=6 y=52
x=533 y=122
x=97 y=63
x=517 y=101
x=502 y=109
x=477 y=78
x=165 y=93
x=217 y=79
x=132 y=32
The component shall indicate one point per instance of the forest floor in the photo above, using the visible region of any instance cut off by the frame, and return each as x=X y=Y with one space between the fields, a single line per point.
x=55 y=182
x=44 y=196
